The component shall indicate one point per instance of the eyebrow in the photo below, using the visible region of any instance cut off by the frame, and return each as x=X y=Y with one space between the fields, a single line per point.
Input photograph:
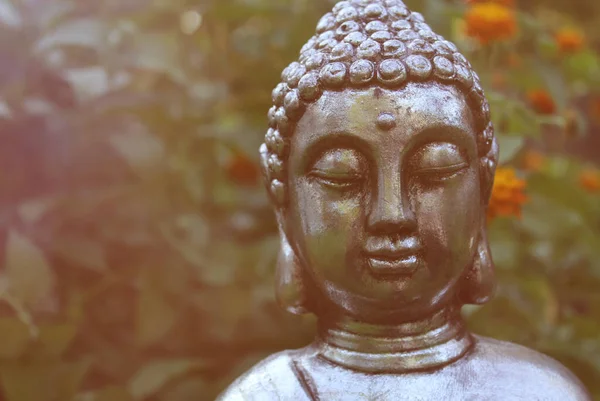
x=336 y=140
x=442 y=132
x=447 y=131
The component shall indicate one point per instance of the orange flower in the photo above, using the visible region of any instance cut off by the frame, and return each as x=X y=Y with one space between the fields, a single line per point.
x=507 y=194
x=590 y=180
x=569 y=40
x=489 y=22
x=541 y=101
x=533 y=160
x=242 y=170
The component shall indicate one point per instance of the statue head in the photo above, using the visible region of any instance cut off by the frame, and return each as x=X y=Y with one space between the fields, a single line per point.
x=380 y=160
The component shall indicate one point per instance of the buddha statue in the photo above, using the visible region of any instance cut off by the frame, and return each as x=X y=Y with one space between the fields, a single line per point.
x=380 y=159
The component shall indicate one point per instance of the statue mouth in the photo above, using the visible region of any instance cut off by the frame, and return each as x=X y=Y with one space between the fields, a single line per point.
x=394 y=263
x=390 y=257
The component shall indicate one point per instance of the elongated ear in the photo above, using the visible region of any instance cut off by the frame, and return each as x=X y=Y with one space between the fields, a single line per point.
x=479 y=280
x=290 y=284
x=290 y=290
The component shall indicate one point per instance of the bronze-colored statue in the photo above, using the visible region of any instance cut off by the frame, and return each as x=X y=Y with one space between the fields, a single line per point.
x=380 y=159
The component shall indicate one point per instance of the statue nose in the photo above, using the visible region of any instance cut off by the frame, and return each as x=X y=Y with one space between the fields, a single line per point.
x=391 y=210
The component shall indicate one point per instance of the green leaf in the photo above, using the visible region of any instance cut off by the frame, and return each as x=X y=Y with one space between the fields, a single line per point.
x=502 y=319
x=558 y=121
x=509 y=147
x=5 y=111
x=188 y=390
x=55 y=338
x=9 y=14
x=543 y=218
x=155 y=315
x=48 y=13
x=82 y=252
x=541 y=301
x=86 y=32
x=144 y=152
x=33 y=210
x=111 y=393
x=89 y=82
x=157 y=52
x=584 y=327
x=42 y=381
x=522 y=121
x=547 y=46
x=577 y=125
x=503 y=244
x=14 y=337
x=559 y=189
x=583 y=65
x=527 y=77
x=30 y=278
x=155 y=375
x=555 y=83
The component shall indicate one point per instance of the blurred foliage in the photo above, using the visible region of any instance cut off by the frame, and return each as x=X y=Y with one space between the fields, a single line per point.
x=138 y=244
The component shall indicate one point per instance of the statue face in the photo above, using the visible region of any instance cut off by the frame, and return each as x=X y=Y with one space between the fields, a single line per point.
x=384 y=197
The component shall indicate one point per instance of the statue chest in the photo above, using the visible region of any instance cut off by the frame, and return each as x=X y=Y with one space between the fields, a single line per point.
x=462 y=381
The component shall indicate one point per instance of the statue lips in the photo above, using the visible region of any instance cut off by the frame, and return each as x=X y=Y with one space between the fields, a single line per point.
x=393 y=259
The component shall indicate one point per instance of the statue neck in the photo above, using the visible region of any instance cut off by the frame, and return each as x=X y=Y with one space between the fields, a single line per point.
x=424 y=344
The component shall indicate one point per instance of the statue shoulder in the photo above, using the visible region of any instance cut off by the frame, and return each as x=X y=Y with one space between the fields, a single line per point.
x=271 y=379
x=525 y=367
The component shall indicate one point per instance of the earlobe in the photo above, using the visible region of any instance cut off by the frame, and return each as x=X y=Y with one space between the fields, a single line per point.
x=290 y=289
x=479 y=281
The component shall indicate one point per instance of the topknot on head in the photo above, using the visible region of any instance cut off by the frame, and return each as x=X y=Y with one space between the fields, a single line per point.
x=362 y=43
x=365 y=42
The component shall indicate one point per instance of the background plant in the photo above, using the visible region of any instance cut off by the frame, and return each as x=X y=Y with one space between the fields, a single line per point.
x=137 y=242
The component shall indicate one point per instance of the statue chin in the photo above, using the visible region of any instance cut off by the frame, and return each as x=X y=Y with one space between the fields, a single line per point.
x=380 y=158
x=394 y=307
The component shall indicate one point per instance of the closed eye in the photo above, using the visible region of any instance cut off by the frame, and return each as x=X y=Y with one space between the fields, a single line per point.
x=441 y=173
x=336 y=180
